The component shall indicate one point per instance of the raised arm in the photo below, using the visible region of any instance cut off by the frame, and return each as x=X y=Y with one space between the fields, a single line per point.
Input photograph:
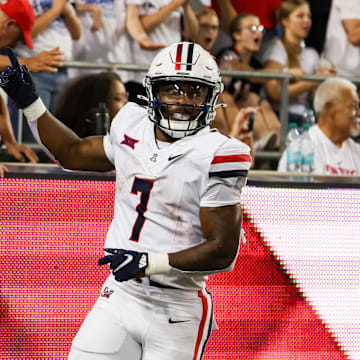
x=227 y=13
x=72 y=22
x=191 y=24
x=152 y=21
x=43 y=21
x=71 y=151
x=136 y=29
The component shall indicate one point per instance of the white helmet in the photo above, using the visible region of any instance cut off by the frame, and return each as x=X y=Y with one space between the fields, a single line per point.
x=183 y=62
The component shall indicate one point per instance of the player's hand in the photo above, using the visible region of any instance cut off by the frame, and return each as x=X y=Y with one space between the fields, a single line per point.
x=125 y=264
x=17 y=82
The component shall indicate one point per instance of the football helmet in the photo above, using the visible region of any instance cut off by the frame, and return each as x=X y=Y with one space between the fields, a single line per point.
x=186 y=70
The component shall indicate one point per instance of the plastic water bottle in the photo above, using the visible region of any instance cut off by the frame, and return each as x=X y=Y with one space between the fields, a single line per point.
x=293 y=154
x=307 y=150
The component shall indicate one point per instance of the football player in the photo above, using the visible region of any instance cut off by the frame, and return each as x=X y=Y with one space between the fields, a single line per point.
x=177 y=215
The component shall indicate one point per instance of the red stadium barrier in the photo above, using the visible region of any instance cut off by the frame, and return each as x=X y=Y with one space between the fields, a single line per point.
x=51 y=235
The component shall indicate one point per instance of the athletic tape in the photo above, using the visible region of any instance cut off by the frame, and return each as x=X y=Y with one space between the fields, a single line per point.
x=158 y=264
x=35 y=110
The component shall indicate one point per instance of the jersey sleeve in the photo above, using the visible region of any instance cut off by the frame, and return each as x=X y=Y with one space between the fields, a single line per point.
x=108 y=148
x=228 y=173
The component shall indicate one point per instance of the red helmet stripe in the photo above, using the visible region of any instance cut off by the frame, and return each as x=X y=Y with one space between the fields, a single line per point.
x=178 y=57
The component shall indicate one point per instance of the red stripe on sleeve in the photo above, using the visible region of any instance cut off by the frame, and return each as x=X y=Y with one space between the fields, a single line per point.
x=231 y=158
x=178 y=57
x=202 y=324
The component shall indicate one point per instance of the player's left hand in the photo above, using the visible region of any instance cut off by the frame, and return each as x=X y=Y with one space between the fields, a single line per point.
x=17 y=82
x=125 y=264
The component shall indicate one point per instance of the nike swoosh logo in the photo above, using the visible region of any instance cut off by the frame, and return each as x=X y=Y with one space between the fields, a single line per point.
x=174 y=157
x=129 y=259
x=177 y=321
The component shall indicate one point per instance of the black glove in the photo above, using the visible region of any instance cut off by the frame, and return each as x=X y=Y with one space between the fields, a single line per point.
x=17 y=82
x=125 y=264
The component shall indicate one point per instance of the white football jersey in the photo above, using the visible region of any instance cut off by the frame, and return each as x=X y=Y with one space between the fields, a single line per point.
x=160 y=187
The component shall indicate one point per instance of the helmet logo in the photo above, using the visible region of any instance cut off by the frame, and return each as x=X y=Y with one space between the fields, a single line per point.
x=189 y=56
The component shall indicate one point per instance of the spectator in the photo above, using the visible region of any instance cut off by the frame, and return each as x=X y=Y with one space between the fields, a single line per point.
x=90 y=99
x=342 y=44
x=16 y=21
x=56 y=24
x=208 y=28
x=104 y=37
x=246 y=33
x=162 y=21
x=336 y=103
x=230 y=120
x=290 y=55
x=265 y=10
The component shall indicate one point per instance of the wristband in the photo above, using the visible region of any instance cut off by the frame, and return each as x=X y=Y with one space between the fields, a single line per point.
x=158 y=264
x=35 y=110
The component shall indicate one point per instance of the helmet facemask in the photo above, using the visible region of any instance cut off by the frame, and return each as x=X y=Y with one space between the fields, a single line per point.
x=180 y=107
x=179 y=118
x=182 y=84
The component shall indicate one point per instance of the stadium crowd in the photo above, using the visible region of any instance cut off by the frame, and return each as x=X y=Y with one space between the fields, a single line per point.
x=274 y=36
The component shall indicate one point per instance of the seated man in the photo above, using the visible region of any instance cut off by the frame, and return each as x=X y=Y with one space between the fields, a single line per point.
x=336 y=104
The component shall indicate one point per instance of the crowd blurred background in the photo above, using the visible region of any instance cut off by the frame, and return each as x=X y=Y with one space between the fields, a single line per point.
x=293 y=37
